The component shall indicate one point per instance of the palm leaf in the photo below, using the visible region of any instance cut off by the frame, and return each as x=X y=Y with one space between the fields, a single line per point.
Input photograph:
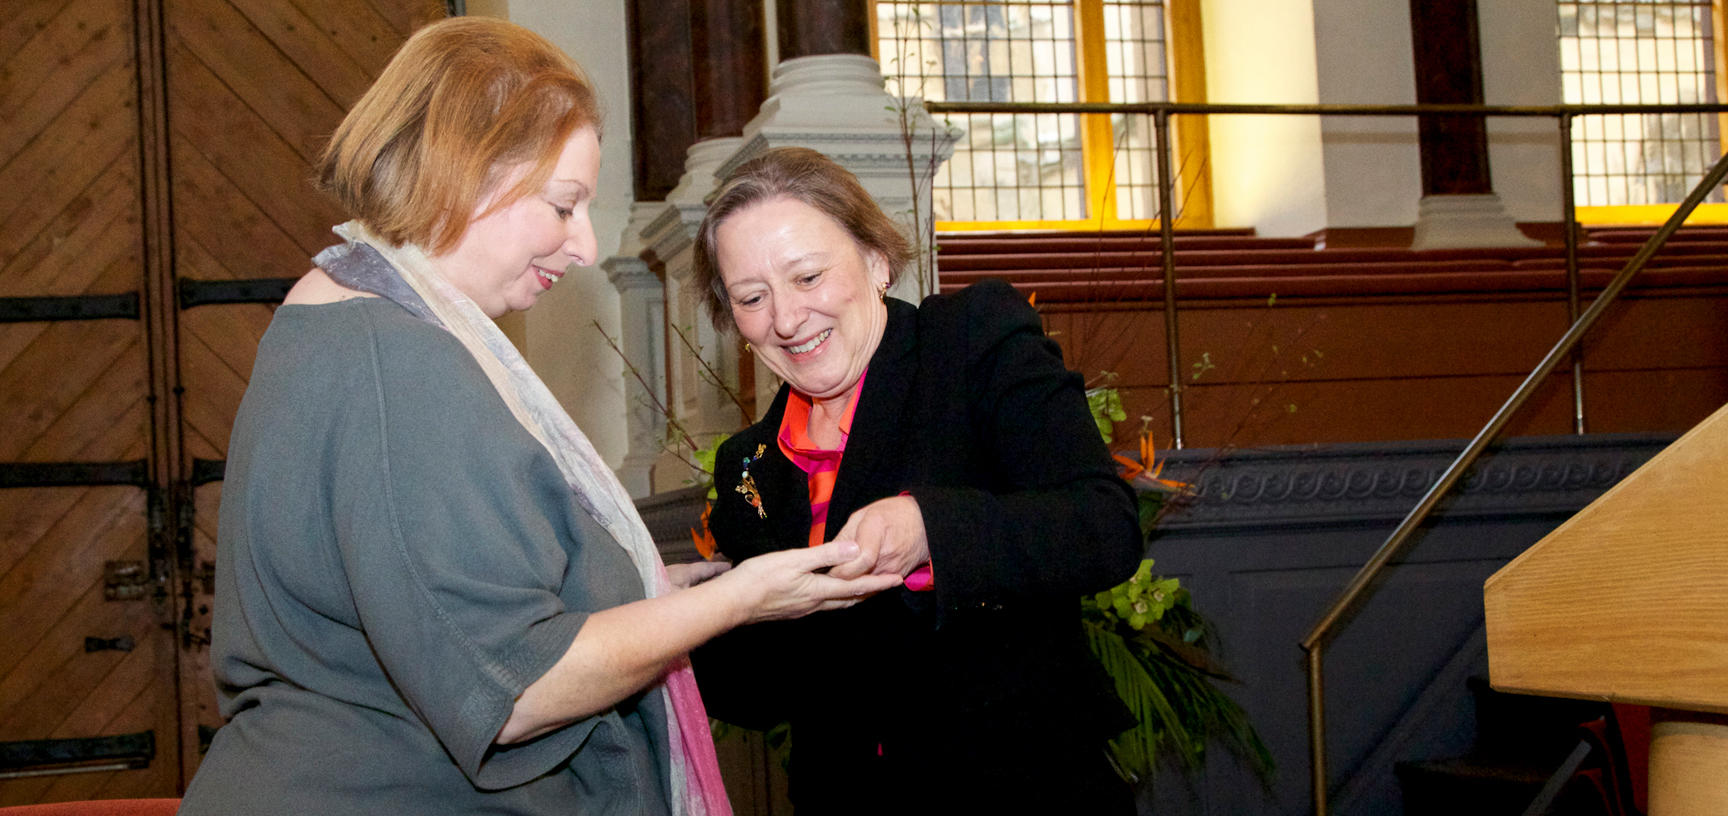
x=1158 y=725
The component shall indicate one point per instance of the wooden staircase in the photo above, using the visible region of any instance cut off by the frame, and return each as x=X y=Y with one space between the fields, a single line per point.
x=1520 y=741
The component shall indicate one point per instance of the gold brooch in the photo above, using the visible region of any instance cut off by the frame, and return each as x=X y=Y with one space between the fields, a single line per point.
x=747 y=483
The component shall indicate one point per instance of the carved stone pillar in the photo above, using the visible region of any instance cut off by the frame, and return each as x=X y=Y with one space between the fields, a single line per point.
x=662 y=126
x=642 y=320
x=1458 y=207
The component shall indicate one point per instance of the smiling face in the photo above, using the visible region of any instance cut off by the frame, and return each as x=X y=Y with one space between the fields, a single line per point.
x=803 y=293
x=509 y=256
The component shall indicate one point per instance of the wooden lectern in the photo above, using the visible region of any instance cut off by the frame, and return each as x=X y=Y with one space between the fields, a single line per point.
x=1627 y=601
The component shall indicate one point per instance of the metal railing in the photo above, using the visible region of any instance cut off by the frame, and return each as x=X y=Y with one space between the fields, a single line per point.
x=1345 y=603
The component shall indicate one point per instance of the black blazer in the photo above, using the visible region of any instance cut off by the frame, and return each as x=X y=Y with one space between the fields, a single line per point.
x=968 y=407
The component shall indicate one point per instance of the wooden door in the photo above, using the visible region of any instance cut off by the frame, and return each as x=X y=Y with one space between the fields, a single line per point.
x=76 y=553
x=254 y=88
x=156 y=160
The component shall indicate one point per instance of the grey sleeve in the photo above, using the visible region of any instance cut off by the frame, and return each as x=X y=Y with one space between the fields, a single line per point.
x=451 y=539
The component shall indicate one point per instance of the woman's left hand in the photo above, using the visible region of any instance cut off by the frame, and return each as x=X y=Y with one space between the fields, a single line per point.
x=890 y=537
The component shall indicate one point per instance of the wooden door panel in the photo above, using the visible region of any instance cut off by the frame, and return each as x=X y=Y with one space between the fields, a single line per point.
x=49 y=172
x=93 y=229
x=51 y=375
x=53 y=598
x=75 y=391
x=48 y=673
x=257 y=162
x=256 y=75
x=221 y=234
x=315 y=47
x=125 y=702
x=56 y=53
x=402 y=17
x=40 y=587
x=24 y=20
x=107 y=425
x=218 y=383
x=200 y=715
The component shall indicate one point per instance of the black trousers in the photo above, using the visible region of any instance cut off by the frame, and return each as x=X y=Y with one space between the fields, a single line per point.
x=1027 y=776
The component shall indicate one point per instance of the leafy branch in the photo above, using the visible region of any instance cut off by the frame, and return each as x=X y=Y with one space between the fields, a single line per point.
x=652 y=399
x=712 y=377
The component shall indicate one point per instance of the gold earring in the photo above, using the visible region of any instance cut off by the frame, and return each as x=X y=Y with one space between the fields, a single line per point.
x=747 y=348
x=882 y=291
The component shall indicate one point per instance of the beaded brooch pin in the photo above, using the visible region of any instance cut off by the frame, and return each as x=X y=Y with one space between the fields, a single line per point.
x=747 y=484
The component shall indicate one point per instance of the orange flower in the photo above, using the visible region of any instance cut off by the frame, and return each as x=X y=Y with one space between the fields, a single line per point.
x=705 y=540
x=1144 y=473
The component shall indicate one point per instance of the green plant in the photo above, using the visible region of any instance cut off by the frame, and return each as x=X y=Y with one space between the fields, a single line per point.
x=1158 y=649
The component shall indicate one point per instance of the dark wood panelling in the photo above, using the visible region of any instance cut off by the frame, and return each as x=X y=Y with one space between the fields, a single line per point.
x=52 y=598
x=238 y=239
x=254 y=76
x=662 y=95
x=309 y=45
x=1447 y=48
x=115 y=399
x=403 y=16
x=97 y=226
x=726 y=36
x=1365 y=344
x=49 y=171
x=1293 y=373
x=360 y=29
x=55 y=373
x=811 y=27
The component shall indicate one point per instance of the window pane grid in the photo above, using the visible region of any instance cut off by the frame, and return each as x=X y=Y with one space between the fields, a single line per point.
x=1134 y=48
x=1025 y=167
x=1639 y=52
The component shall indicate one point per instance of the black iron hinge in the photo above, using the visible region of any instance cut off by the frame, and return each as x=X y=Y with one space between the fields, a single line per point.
x=123 y=306
x=195 y=292
x=82 y=755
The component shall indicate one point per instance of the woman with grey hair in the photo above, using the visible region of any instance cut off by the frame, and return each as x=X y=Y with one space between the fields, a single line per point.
x=948 y=441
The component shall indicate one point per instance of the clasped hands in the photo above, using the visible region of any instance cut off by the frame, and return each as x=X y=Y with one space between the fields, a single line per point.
x=881 y=543
x=890 y=537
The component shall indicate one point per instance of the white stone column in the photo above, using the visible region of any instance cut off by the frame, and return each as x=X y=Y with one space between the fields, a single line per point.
x=1458 y=221
x=669 y=238
x=642 y=320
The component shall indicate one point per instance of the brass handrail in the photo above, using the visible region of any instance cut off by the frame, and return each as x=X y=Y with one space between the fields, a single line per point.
x=1162 y=111
x=1152 y=108
x=1346 y=600
x=1314 y=643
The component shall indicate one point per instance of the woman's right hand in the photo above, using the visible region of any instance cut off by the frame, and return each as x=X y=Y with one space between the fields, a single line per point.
x=787 y=584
